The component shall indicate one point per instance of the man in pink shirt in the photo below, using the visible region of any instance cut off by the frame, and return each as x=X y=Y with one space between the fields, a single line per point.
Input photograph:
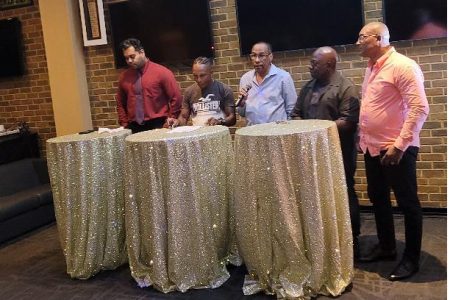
x=393 y=109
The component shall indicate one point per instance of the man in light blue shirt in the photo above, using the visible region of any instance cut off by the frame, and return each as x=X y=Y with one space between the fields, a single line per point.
x=268 y=93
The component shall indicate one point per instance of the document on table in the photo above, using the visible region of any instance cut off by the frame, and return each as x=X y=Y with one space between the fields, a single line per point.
x=184 y=129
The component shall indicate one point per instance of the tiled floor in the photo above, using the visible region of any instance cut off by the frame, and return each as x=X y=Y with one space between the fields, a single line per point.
x=33 y=268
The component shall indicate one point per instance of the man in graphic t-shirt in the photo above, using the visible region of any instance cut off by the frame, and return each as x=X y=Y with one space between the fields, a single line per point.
x=208 y=101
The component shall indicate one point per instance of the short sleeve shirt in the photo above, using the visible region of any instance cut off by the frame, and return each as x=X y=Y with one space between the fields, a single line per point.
x=207 y=103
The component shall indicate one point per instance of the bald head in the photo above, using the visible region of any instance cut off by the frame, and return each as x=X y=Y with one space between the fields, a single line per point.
x=323 y=64
x=328 y=55
x=379 y=29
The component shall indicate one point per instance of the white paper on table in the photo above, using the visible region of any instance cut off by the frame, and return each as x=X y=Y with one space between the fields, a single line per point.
x=8 y=132
x=102 y=129
x=184 y=129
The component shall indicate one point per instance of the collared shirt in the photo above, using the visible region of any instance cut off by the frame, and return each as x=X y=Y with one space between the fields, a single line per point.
x=160 y=91
x=338 y=100
x=394 y=105
x=270 y=101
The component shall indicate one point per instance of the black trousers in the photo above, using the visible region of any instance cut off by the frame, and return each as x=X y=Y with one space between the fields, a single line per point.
x=349 y=158
x=147 y=125
x=403 y=181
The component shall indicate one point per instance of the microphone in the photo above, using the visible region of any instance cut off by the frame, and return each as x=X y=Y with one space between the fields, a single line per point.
x=239 y=99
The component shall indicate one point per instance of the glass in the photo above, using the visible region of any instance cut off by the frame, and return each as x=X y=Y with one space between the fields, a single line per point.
x=261 y=56
x=362 y=37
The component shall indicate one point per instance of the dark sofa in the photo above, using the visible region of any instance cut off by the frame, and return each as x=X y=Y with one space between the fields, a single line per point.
x=26 y=200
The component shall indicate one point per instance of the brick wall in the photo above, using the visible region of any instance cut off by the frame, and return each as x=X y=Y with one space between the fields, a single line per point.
x=102 y=81
x=27 y=98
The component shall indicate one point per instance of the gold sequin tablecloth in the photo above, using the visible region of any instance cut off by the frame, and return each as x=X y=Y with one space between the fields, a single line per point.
x=86 y=175
x=177 y=207
x=293 y=225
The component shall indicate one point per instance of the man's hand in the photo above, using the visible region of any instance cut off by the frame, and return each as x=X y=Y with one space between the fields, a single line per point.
x=243 y=93
x=358 y=148
x=171 y=122
x=392 y=156
x=212 y=122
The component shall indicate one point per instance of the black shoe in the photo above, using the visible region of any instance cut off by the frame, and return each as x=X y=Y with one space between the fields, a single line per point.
x=379 y=254
x=405 y=269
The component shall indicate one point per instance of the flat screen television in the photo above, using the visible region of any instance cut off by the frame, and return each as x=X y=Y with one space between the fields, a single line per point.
x=172 y=31
x=415 y=19
x=11 y=48
x=298 y=24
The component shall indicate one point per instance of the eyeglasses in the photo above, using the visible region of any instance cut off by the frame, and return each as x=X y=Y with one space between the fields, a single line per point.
x=260 y=56
x=362 y=37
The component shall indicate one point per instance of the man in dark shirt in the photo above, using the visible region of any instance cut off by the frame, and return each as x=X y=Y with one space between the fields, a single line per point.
x=148 y=95
x=207 y=101
x=330 y=96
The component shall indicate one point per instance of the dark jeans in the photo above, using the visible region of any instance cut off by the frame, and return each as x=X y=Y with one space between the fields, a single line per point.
x=349 y=157
x=402 y=179
x=147 y=125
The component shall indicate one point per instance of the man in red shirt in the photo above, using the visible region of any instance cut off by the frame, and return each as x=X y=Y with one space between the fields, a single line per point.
x=393 y=109
x=148 y=95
